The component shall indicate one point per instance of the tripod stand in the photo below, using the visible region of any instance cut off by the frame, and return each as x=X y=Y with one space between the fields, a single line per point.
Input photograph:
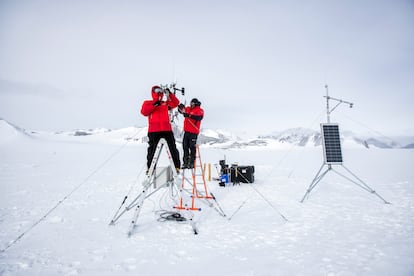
x=356 y=180
x=170 y=178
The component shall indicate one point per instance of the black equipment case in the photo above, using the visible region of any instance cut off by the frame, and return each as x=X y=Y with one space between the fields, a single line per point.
x=243 y=174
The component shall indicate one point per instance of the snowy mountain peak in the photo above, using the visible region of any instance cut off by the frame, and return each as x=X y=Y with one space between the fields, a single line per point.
x=9 y=131
x=297 y=136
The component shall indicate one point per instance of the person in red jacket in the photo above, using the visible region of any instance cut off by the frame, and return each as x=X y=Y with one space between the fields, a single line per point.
x=159 y=125
x=193 y=115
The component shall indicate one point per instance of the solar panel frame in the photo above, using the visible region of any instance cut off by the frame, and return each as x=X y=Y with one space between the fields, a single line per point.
x=331 y=141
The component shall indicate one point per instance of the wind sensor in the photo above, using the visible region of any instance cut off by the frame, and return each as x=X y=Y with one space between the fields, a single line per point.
x=332 y=151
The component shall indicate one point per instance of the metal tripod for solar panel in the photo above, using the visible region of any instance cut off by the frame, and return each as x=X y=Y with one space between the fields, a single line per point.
x=333 y=154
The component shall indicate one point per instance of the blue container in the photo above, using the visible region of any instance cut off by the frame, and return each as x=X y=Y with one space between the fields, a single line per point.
x=224 y=178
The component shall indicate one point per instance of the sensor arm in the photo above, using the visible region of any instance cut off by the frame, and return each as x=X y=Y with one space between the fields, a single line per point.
x=339 y=102
x=328 y=110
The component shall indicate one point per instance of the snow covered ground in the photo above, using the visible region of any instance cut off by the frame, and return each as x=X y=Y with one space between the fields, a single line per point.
x=340 y=230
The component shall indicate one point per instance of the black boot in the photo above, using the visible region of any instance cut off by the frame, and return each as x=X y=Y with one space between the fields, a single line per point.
x=191 y=164
x=185 y=163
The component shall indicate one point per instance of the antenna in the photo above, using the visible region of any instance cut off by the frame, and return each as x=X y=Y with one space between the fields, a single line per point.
x=174 y=77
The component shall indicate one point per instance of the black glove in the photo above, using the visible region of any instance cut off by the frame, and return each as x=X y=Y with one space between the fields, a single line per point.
x=186 y=115
x=157 y=103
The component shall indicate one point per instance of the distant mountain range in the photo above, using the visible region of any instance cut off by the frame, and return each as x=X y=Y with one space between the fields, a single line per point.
x=301 y=137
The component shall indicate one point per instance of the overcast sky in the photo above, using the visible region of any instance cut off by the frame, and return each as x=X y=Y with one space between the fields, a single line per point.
x=257 y=65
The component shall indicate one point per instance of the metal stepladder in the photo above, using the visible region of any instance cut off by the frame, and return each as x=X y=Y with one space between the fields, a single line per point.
x=197 y=180
x=148 y=185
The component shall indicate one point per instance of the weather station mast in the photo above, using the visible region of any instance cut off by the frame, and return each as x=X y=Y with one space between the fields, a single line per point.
x=332 y=151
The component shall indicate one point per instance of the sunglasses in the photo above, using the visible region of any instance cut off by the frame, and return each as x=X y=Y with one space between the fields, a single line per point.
x=158 y=90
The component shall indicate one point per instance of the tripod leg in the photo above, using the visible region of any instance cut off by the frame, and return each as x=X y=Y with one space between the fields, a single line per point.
x=115 y=218
x=220 y=210
x=318 y=177
x=183 y=208
x=361 y=184
x=138 y=208
x=119 y=213
x=192 y=222
x=156 y=156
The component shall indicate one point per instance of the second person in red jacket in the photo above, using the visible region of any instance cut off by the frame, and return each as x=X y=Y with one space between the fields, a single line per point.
x=193 y=115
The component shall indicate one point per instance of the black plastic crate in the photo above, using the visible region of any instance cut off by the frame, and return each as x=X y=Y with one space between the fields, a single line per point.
x=242 y=174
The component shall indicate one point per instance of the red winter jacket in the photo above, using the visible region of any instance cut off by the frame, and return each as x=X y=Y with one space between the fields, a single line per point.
x=193 y=121
x=158 y=118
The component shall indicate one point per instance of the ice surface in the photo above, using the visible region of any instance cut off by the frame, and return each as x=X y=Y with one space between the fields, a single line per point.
x=340 y=230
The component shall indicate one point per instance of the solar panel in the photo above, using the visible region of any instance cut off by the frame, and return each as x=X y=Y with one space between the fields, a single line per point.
x=331 y=144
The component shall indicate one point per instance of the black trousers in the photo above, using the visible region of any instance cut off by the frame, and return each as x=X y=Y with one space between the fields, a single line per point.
x=154 y=138
x=189 y=147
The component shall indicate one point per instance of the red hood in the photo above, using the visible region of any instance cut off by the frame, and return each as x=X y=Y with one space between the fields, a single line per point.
x=154 y=94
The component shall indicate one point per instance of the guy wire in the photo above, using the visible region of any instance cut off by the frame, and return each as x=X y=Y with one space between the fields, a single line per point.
x=270 y=173
x=87 y=178
x=372 y=130
x=301 y=152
